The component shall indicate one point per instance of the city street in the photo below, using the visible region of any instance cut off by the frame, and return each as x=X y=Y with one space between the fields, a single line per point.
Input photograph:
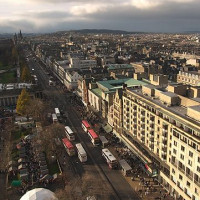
x=112 y=180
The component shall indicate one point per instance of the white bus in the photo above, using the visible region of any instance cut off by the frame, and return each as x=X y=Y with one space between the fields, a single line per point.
x=57 y=111
x=110 y=159
x=69 y=133
x=54 y=118
x=81 y=153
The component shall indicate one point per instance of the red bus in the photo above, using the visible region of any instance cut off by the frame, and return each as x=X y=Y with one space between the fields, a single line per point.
x=85 y=125
x=93 y=137
x=68 y=146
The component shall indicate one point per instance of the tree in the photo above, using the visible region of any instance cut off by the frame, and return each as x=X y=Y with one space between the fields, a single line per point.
x=38 y=110
x=14 y=55
x=25 y=76
x=47 y=137
x=22 y=102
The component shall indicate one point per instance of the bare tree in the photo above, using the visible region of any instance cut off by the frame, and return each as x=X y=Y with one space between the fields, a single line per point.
x=47 y=138
x=38 y=109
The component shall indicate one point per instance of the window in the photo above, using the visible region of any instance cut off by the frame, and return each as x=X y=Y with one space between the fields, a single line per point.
x=190 y=162
x=196 y=191
x=188 y=184
x=173 y=171
x=180 y=177
x=158 y=121
x=182 y=156
x=175 y=143
x=198 y=168
x=199 y=159
x=182 y=148
x=174 y=151
x=190 y=154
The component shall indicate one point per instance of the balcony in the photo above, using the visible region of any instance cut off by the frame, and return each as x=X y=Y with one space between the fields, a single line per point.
x=174 y=163
x=163 y=156
x=151 y=128
x=142 y=117
x=143 y=138
x=164 y=130
x=134 y=116
x=142 y=132
x=189 y=176
x=151 y=140
x=197 y=182
x=181 y=169
x=164 y=149
x=164 y=134
x=151 y=146
x=151 y=133
x=151 y=122
x=164 y=139
x=164 y=144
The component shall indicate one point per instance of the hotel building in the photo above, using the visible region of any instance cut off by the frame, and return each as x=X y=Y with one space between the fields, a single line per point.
x=163 y=129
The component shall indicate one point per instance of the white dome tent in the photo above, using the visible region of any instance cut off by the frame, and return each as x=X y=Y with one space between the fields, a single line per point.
x=39 y=194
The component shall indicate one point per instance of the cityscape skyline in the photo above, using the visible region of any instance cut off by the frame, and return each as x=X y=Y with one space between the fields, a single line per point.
x=35 y=16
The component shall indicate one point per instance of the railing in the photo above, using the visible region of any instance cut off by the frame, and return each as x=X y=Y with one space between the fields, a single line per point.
x=197 y=182
x=181 y=169
x=189 y=176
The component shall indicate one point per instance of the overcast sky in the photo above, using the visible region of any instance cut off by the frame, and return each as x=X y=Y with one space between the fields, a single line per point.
x=131 y=15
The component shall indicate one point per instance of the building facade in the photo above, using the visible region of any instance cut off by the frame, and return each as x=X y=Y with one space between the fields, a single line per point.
x=190 y=78
x=164 y=136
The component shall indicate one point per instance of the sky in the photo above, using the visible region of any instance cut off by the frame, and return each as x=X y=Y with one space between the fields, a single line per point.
x=42 y=16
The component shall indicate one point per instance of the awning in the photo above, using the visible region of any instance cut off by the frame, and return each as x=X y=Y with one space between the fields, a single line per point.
x=16 y=183
x=107 y=128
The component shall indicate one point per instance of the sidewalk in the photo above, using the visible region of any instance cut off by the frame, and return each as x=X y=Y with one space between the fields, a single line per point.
x=142 y=184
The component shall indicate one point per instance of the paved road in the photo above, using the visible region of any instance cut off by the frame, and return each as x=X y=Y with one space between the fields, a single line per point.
x=113 y=179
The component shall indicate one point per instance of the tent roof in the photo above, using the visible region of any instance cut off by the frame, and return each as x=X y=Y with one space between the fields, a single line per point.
x=39 y=194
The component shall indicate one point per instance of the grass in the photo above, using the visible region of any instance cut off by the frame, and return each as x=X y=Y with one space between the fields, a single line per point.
x=5 y=67
x=18 y=134
x=8 y=77
x=53 y=168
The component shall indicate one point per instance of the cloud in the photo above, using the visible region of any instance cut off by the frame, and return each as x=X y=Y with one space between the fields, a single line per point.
x=138 y=15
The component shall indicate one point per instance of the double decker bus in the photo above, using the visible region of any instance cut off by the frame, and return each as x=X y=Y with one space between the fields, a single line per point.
x=110 y=159
x=69 y=147
x=54 y=118
x=69 y=133
x=93 y=137
x=82 y=155
x=85 y=125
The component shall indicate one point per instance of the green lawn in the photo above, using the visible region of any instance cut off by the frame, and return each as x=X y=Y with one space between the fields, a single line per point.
x=53 y=168
x=8 y=77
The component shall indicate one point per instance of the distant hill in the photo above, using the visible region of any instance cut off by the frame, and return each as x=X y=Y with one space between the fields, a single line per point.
x=103 y=31
x=6 y=35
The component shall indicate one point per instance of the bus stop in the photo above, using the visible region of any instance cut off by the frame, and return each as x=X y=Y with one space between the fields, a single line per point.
x=125 y=167
x=104 y=141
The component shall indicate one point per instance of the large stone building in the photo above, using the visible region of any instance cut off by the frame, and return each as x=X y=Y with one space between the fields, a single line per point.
x=163 y=130
x=190 y=78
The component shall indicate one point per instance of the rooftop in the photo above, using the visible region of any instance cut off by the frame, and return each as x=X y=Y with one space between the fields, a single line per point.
x=97 y=91
x=111 y=85
x=119 y=66
x=180 y=111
